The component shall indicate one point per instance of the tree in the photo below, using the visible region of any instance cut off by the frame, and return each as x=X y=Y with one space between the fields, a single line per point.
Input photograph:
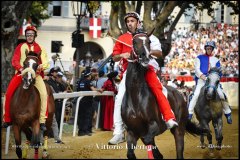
x=162 y=11
x=13 y=14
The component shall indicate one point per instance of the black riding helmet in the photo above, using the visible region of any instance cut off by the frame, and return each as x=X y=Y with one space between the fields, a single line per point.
x=134 y=15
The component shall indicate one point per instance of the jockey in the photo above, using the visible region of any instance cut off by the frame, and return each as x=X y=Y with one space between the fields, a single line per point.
x=202 y=65
x=17 y=62
x=121 y=52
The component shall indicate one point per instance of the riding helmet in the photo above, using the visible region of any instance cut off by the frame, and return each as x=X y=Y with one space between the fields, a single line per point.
x=31 y=28
x=211 y=44
x=132 y=14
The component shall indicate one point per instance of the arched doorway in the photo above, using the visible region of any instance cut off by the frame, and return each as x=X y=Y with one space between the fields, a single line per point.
x=95 y=50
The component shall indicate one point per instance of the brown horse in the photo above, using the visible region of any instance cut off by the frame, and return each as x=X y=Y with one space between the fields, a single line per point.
x=140 y=111
x=25 y=108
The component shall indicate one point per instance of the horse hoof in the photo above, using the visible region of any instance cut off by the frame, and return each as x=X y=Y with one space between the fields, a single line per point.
x=45 y=155
x=218 y=147
x=203 y=146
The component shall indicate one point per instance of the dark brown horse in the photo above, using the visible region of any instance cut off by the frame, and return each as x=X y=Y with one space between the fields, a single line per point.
x=25 y=108
x=140 y=111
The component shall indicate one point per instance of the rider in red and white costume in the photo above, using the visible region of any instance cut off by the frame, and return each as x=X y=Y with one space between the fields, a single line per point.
x=19 y=57
x=121 y=52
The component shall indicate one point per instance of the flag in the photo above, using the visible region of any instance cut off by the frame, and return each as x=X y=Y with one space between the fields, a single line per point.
x=95 y=25
x=23 y=28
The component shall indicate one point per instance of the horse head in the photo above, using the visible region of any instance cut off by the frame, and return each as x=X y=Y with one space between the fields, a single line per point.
x=212 y=82
x=141 y=47
x=30 y=66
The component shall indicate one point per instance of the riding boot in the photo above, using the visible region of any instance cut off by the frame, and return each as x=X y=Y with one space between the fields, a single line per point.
x=6 y=124
x=43 y=127
x=229 y=118
x=190 y=116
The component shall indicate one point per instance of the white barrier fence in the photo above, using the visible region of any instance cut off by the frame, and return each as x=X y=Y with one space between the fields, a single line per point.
x=65 y=97
x=80 y=95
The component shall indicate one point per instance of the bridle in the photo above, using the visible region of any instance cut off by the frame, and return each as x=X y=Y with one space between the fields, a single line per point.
x=212 y=86
x=136 y=57
x=209 y=86
x=29 y=72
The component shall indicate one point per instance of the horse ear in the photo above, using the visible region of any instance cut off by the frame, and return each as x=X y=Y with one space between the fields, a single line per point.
x=149 y=34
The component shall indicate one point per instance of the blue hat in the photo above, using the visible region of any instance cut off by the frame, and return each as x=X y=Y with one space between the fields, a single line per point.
x=211 y=44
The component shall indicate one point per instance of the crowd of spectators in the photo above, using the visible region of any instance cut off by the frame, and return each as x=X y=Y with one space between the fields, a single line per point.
x=188 y=44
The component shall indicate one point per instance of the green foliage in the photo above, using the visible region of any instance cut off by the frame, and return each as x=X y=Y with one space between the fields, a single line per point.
x=38 y=12
x=115 y=3
x=93 y=6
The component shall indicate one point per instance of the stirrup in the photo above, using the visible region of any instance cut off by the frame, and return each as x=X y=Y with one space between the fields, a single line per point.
x=6 y=124
x=229 y=118
x=190 y=116
x=43 y=127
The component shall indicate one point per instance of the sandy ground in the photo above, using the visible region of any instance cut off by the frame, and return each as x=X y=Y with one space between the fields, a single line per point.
x=95 y=146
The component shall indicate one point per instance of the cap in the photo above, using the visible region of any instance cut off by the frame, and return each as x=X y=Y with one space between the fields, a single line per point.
x=87 y=72
x=54 y=69
x=60 y=74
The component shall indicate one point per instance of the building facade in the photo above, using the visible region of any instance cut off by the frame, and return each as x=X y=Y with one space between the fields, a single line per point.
x=62 y=24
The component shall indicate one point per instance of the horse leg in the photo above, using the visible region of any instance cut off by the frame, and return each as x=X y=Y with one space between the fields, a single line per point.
x=28 y=134
x=45 y=147
x=153 y=152
x=218 y=132
x=148 y=140
x=131 y=144
x=209 y=137
x=205 y=126
x=203 y=145
x=36 y=137
x=178 y=133
x=17 y=136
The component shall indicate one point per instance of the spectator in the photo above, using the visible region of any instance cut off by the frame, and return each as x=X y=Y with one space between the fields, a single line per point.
x=99 y=84
x=87 y=62
x=85 y=113
x=174 y=83
x=57 y=88
x=108 y=101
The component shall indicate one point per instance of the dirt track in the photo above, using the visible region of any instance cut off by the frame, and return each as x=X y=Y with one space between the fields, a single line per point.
x=95 y=146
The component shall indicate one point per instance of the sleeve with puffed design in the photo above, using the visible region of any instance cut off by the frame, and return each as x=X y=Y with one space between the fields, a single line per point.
x=16 y=58
x=44 y=58
x=197 y=63
x=155 y=43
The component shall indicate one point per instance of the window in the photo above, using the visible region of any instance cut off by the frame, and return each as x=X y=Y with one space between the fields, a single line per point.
x=222 y=13
x=56 y=10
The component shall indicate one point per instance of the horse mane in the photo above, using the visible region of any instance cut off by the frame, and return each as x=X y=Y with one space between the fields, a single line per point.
x=139 y=31
x=31 y=53
x=215 y=69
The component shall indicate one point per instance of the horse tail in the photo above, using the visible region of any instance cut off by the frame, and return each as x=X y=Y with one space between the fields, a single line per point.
x=195 y=129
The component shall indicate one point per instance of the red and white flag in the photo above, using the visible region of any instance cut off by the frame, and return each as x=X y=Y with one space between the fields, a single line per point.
x=95 y=26
x=23 y=28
